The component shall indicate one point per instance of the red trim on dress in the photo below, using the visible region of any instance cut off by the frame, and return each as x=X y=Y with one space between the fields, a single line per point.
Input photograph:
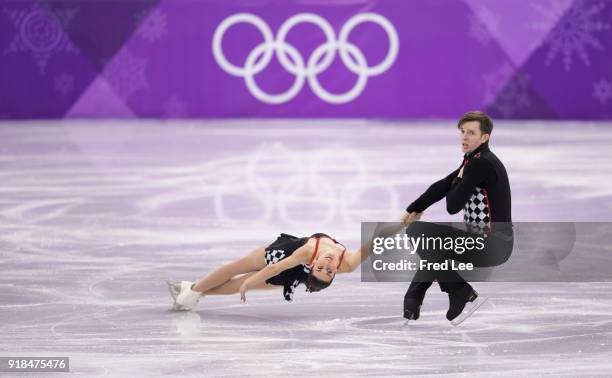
x=314 y=254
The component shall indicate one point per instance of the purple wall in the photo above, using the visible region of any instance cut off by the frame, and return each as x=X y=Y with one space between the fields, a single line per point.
x=542 y=59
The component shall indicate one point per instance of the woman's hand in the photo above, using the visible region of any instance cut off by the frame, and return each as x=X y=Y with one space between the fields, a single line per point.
x=243 y=289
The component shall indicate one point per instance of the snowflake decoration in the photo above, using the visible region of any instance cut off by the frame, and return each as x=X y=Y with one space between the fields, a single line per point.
x=484 y=25
x=152 y=25
x=479 y=31
x=506 y=91
x=495 y=82
x=40 y=32
x=126 y=73
x=64 y=83
x=550 y=12
x=602 y=91
x=174 y=107
x=574 y=32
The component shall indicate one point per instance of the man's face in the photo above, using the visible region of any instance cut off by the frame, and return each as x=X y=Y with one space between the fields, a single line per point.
x=471 y=136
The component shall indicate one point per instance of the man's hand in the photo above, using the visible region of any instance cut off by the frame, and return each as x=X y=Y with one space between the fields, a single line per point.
x=457 y=179
x=408 y=218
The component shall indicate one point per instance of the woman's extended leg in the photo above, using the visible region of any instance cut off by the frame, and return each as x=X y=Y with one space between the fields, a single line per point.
x=252 y=262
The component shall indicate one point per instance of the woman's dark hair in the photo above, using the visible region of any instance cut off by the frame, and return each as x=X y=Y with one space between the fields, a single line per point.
x=314 y=284
x=486 y=124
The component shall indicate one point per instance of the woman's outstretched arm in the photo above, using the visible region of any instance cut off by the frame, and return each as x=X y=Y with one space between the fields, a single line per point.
x=270 y=271
x=354 y=259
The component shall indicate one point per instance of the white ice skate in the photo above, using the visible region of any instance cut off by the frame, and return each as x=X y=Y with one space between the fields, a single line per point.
x=174 y=288
x=186 y=299
x=469 y=309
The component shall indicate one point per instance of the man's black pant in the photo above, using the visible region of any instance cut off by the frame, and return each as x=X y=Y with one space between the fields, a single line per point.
x=497 y=249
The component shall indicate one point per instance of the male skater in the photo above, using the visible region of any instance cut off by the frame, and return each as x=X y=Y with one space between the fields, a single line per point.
x=480 y=187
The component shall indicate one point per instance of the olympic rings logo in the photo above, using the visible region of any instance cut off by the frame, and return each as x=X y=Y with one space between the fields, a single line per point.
x=293 y=62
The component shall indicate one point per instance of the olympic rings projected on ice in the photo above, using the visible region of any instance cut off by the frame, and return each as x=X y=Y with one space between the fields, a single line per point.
x=325 y=185
x=318 y=61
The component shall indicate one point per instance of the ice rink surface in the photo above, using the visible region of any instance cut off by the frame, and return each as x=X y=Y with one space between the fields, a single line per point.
x=94 y=216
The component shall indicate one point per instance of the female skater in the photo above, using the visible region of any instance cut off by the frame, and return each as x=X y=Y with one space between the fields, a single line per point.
x=286 y=263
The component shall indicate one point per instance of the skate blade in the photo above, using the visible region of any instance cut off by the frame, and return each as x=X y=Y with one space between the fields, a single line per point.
x=407 y=323
x=464 y=315
x=178 y=307
x=173 y=289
